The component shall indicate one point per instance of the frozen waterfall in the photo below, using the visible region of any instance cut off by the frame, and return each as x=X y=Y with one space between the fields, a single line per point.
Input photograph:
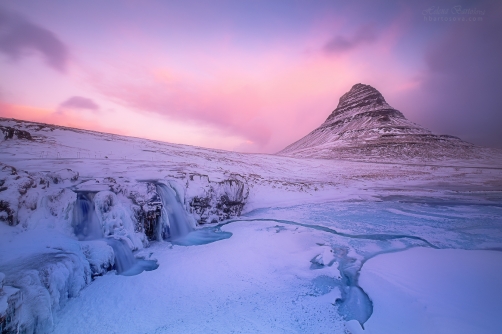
x=173 y=214
x=85 y=220
x=177 y=226
x=87 y=226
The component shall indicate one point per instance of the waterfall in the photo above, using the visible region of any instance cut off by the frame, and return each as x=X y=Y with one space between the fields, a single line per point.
x=173 y=212
x=124 y=259
x=85 y=220
x=176 y=224
x=87 y=226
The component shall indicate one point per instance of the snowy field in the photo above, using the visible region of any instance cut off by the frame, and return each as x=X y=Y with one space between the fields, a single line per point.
x=434 y=291
x=320 y=246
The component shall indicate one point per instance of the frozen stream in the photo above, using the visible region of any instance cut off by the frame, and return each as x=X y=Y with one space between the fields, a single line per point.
x=282 y=270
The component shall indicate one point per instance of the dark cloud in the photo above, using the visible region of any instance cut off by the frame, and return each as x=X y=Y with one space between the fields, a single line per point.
x=78 y=102
x=460 y=91
x=339 y=43
x=19 y=36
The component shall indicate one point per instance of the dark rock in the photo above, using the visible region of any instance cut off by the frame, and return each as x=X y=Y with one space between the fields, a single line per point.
x=223 y=200
x=24 y=186
x=4 y=207
x=201 y=205
x=12 y=133
x=10 y=170
x=229 y=208
x=63 y=175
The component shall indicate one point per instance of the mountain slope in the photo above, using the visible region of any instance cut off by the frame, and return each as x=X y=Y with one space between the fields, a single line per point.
x=364 y=125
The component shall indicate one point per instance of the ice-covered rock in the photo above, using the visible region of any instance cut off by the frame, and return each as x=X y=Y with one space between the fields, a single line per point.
x=325 y=258
x=29 y=199
x=55 y=208
x=210 y=202
x=12 y=187
x=99 y=255
x=63 y=176
x=7 y=294
x=115 y=218
x=44 y=279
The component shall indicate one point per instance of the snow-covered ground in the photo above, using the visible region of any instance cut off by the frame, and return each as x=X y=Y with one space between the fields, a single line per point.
x=253 y=242
x=434 y=291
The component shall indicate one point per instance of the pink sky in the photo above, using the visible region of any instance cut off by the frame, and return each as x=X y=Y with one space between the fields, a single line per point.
x=250 y=77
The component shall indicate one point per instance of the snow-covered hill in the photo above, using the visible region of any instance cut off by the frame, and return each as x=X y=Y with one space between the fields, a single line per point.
x=364 y=126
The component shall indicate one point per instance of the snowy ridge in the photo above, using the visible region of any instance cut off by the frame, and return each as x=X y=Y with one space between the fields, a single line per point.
x=365 y=126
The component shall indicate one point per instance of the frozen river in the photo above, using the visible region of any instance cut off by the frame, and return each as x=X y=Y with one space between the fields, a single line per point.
x=297 y=269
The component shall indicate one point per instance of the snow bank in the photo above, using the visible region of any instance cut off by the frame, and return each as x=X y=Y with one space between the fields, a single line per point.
x=43 y=269
x=423 y=290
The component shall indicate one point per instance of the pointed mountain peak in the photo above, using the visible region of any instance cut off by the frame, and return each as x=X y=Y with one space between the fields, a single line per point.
x=359 y=99
x=361 y=92
x=364 y=124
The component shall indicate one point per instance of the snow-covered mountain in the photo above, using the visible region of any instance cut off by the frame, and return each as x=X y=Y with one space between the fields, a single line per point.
x=365 y=126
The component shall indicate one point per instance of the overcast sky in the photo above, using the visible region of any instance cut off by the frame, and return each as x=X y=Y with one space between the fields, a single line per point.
x=250 y=76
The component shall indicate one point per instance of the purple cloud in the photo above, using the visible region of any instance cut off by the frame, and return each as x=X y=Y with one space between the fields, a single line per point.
x=460 y=87
x=19 y=36
x=339 y=44
x=79 y=102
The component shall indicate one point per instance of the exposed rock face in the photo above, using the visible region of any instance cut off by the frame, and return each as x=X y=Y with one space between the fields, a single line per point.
x=12 y=133
x=212 y=201
x=364 y=125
